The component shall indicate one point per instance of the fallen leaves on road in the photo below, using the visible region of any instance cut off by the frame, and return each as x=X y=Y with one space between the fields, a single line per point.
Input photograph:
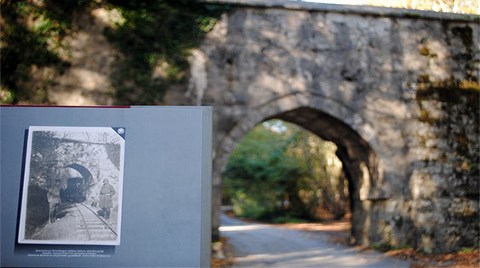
x=221 y=256
x=465 y=259
x=339 y=232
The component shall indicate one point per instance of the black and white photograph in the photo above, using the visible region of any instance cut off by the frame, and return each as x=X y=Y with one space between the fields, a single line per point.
x=72 y=188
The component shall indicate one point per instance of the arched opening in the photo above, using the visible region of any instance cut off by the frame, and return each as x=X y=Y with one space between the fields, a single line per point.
x=79 y=182
x=280 y=172
x=359 y=163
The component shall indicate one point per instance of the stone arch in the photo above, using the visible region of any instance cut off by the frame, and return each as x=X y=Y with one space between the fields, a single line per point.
x=86 y=174
x=381 y=81
x=87 y=177
x=359 y=161
x=361 y=165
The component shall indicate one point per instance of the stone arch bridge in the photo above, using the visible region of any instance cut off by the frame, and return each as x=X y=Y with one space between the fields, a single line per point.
x=397 y=91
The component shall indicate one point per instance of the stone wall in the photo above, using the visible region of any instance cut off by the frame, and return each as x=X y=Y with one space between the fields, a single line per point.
x=396 y=94
x=445 y=178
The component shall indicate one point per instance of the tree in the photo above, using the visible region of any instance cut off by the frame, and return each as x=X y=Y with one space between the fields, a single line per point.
x=260 y=174
x=281 y=170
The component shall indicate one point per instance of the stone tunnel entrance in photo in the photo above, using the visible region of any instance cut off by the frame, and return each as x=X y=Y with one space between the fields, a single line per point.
x=78 y=187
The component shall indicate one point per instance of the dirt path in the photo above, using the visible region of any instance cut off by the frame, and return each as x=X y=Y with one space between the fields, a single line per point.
x=264 y=245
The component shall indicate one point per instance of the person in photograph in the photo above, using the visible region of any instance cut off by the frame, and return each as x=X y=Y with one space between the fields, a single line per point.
x=53 y=196
x=106 y=202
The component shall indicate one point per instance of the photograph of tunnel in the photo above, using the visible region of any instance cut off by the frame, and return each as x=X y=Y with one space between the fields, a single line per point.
x=72 y=188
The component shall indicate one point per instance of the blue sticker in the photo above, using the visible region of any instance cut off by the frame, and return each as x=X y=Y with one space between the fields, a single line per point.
x=120 y=131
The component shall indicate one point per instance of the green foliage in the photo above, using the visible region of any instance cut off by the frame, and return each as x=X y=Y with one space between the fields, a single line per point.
x=32 y=37
x=260 y=174
x=156 y=38
x=280 y=172
x=287 y=219
x=467 y=250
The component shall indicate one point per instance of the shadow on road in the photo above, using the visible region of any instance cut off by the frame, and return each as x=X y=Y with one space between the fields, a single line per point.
x=266 y=245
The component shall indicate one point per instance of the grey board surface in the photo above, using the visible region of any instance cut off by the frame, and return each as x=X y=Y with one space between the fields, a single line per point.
x=166 y=187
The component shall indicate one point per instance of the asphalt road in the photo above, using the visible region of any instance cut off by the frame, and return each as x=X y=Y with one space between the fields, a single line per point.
x=263 y=245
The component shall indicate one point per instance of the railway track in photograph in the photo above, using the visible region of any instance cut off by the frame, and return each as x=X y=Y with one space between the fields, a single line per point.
x=90 y=226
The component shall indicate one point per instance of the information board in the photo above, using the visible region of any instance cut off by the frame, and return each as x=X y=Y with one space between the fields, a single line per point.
x=105 y=186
